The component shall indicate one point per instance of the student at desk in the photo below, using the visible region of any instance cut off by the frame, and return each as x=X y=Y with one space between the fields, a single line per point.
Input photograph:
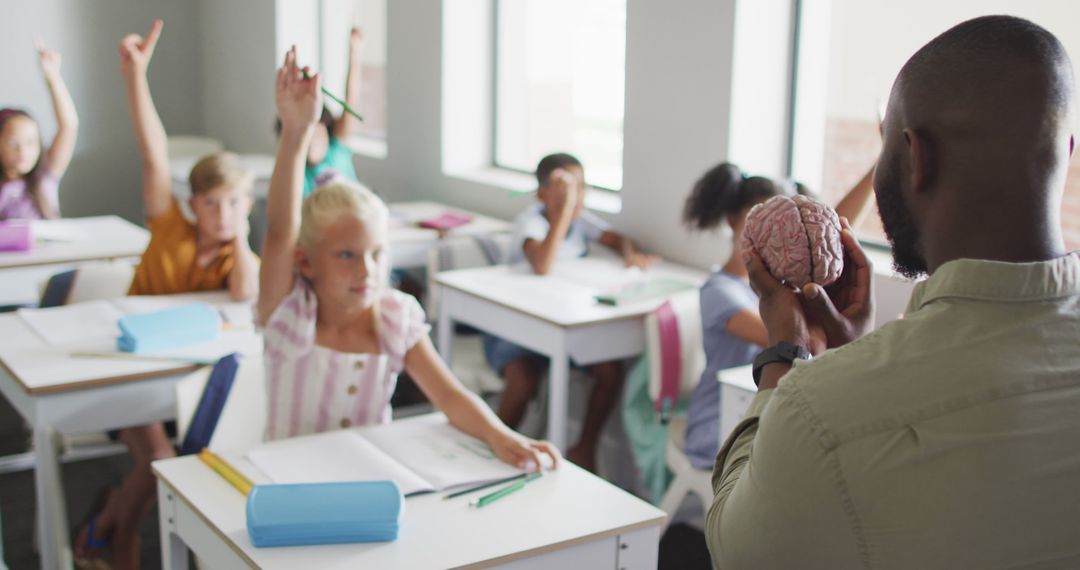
x=29 y=174
x=336 y=335
x=559 y=228
x=732 y=330
x=182 y=257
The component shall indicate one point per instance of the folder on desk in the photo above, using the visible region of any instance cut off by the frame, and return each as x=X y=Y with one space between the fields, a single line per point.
x=167 y=329
x=16 y=235
x=446 y=221
x=324 y=513
x=644 y=290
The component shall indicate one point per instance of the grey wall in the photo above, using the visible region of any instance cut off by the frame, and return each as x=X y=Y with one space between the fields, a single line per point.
x=104 y=174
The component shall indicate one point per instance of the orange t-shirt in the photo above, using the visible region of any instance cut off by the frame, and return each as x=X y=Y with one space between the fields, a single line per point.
x=168 y=265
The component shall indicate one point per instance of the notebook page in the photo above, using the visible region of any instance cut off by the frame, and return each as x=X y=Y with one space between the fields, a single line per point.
x=330 y=457
x=90 y=325
x=440 y=453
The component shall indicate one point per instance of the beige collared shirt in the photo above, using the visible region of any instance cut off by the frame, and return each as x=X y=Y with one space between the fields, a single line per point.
x=949 y=439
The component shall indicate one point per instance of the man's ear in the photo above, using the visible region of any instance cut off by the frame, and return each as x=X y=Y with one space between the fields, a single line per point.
x=921 y=161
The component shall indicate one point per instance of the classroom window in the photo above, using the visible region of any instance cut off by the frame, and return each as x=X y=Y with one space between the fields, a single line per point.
x=559 y=77
x=848 y=55
x=337 y=19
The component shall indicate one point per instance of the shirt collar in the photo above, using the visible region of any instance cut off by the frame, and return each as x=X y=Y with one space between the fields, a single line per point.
x=998 y=281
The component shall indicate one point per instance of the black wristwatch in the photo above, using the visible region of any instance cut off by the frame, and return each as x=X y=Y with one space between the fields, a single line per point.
x=780 y=352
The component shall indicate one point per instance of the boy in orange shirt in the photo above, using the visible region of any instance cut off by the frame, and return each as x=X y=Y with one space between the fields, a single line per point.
x=212 y=253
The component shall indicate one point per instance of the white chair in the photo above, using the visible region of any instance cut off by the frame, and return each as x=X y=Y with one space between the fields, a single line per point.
x=462 y=253
x=243 y=418
x=101 y=280
x=187 y=146
x=687 y=479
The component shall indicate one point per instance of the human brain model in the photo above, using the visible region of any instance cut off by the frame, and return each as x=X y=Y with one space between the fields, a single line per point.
x=798 y=239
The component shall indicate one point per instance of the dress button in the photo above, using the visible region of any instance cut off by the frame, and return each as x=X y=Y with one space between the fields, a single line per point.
x=345 y=423
x=351 y=390
x=359 y=364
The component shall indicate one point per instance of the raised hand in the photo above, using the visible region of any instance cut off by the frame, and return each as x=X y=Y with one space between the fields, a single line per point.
x=48 y=59
x=136 y=51
x=298 y=99
x=356 y=41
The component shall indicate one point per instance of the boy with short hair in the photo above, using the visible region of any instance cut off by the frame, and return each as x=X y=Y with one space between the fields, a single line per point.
x=559 y=228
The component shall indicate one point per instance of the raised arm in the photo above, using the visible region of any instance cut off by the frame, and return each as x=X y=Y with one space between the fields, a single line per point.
x=58 y=157
x=856 y=202
x=135 y=55
x=299 y=104
x=347 y=123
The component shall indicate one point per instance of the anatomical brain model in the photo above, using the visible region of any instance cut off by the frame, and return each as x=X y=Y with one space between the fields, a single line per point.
x=798 y=239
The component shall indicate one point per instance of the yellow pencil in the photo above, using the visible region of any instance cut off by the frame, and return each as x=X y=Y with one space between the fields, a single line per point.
x=234 y=477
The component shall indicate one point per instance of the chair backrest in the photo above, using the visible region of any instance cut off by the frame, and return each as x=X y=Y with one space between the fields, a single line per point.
x=101 y=280
x=222 y=414
x=462 y=253
x=673 y=341
x=186 y=146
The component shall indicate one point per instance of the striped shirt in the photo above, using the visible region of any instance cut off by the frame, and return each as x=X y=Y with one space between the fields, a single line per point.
x=312 y=388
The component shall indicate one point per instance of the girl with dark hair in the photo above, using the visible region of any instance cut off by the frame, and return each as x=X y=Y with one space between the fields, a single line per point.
x=733 y=332
x=328 y=158
x=29 y=174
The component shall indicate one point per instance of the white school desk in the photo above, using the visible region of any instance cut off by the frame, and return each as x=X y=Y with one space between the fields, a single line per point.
x=76 y=240
x=554 y=315
x=57 y=393
x=409 y=243
x=568 y=518
x=737 y=390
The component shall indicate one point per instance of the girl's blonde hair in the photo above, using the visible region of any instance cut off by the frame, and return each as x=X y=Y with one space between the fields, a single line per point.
x=328 y=202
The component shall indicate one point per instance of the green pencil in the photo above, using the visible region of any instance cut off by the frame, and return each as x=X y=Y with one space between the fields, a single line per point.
x=492 y=497
x=339 y=101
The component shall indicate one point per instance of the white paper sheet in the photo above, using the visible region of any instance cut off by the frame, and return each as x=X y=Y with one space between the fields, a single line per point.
x=59 y=230
x=86 y=326
x=441 y=454
x=329 y=457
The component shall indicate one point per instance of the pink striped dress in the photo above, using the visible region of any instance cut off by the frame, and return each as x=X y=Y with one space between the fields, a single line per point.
x=312 y=388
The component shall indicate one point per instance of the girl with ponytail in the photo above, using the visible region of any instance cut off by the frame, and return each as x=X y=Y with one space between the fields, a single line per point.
x=733 y=332
x=29 y=173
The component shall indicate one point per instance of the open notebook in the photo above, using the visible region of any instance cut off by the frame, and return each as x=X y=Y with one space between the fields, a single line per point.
x=420 y=456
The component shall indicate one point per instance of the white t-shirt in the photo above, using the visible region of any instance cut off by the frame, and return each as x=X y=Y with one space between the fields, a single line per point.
x=532 y=224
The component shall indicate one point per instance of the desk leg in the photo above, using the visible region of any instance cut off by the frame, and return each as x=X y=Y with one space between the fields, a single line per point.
x=52 y=510
x=445 y=332
x=174 y=553
x=558 y=395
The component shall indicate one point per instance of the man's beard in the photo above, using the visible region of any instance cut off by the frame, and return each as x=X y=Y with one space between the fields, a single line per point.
x=900 y=228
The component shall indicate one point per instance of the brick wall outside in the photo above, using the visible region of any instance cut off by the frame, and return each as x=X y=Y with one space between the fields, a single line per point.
x=851 y=146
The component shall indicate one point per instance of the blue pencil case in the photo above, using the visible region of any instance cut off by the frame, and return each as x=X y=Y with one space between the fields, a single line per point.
x=324 y=513
x=169 y=328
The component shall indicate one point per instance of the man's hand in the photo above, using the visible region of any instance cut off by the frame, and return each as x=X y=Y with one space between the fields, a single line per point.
x=845 y=309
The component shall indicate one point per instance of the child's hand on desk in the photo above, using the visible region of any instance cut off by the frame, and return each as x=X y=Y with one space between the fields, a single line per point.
x=640 y=260
x=522 y=452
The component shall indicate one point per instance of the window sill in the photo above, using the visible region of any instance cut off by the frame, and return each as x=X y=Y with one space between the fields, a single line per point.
x=367 y=146
x=605 y=201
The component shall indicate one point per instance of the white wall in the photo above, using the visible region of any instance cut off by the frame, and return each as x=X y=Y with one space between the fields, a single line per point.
x=238 y=58
x=104 y=176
